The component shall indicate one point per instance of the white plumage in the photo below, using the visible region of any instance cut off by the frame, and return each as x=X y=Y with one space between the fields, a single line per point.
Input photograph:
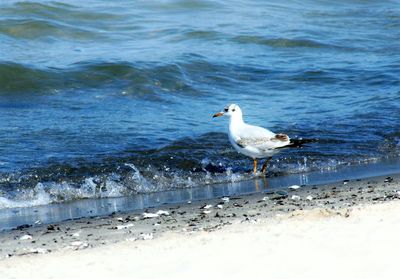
x=253 y=141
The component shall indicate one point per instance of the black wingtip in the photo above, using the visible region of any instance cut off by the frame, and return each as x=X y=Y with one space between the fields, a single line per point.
x=301 y=142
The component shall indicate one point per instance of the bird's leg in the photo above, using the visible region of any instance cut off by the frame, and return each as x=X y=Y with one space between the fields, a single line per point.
x=264 y=166
x=255 y=166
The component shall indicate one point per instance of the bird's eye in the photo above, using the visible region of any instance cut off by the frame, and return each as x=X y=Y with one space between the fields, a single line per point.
x=233 y=109
x=226 y=110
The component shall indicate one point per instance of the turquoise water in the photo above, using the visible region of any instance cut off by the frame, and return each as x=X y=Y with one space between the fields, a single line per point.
x=104 y=99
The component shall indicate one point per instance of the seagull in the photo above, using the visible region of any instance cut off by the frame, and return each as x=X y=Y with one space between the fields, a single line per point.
x=254 y=141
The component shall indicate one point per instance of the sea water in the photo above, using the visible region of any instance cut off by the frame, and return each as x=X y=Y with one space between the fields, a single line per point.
x=104 y=99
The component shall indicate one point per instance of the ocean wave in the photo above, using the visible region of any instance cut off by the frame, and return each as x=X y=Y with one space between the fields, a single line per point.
x=54 y=21
x=109 y=185
x=150 y=180
x=131 y=79
x=58 y=11
x=190 y=78
x=186 y=163
x=34 y=29
x=280 y=42
x=183 y=5
x=201 y=35
x=26 y=198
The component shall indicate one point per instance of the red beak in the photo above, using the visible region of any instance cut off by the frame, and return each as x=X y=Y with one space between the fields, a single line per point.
x=218 y=114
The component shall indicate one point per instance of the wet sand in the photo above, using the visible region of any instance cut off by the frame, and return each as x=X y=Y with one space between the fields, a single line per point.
x=350 y=226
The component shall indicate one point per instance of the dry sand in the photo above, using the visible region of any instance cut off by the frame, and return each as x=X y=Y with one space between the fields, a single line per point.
x=326 y=237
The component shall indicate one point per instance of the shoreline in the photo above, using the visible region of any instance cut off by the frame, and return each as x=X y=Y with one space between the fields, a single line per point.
x=11 y=218
x=308 y=244
x=346 y=230
x=200 y=216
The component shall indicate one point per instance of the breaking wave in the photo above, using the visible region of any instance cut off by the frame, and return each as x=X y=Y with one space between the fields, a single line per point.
x=183 y=164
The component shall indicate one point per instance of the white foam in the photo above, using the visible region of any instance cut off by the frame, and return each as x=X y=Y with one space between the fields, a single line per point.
x=50 y=192
x=28 y=198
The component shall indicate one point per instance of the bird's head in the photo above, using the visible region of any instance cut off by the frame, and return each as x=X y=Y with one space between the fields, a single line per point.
x=231 y=110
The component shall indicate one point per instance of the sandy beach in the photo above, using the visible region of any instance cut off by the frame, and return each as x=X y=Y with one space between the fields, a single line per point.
x=344 y=230
x=199 y=139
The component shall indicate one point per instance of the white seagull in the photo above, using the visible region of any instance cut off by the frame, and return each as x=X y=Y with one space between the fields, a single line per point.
x=253 y=141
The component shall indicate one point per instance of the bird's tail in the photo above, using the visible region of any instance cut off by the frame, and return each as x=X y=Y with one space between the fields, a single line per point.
x=300 y=142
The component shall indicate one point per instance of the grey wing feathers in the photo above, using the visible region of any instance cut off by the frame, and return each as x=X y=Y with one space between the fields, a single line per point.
x=276 y=141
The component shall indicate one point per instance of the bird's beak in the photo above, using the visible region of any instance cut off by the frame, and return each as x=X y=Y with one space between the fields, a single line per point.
x=218 y=114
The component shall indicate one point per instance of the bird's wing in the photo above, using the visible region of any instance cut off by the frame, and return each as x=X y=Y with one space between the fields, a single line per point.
x=260 y=138
x=250 y=131
x=264 y=143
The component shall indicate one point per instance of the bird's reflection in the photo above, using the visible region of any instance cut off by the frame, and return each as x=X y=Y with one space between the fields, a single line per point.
x=261 y=183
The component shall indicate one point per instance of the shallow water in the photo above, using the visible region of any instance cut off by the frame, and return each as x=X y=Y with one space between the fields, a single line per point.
x=13 y=217
x=101 y=99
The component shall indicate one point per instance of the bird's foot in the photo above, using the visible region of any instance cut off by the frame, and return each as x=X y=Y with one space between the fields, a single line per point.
x=259 y=174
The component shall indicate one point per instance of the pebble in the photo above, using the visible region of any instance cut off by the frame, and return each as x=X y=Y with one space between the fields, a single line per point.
x=388 y=179
x=294 y=187
x=147 y=236
x=206 y=211
x=159 y=213
x=122 y=227
x=162 y=212
x=225 y=199
x=295 y=197
x=79 y=244
x=38 y=251
x=309 y=198
x=23 y=226
x=220 y=206
x=51 y=228
x=76 y=243
x=282 y=193
x=150 y=215
x=207 y=206
x=25 y=237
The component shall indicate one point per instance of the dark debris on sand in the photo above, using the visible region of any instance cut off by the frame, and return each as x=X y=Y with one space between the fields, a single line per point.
x=337 y=199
